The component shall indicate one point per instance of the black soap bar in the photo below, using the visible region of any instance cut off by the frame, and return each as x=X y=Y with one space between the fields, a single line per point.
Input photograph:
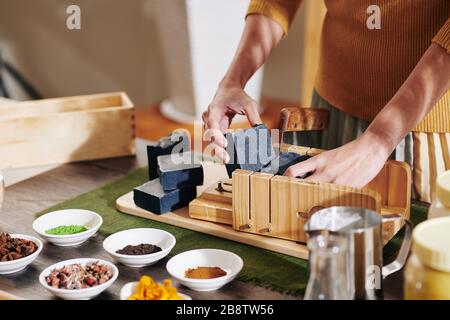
x=281 y=163
x=180 y=170
x=249 y=149
x=151 y=196
x=177 y=141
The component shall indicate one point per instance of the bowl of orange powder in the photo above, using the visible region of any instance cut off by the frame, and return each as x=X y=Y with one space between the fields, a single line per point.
x=205 y=269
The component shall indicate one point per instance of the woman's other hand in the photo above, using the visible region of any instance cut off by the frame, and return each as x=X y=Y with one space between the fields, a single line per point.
x=227 y=102
x=261 y=34
x=354 y=164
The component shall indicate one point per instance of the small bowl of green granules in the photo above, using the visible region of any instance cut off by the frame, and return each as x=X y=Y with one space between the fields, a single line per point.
x=65 y=230
x=69 y=227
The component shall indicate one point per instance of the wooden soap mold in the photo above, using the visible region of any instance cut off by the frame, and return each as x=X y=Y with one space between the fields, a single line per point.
x=388 y=193
x=279 y=206
x=213 y=172
x=391 y=189
x=68 y=129
x=395 y=173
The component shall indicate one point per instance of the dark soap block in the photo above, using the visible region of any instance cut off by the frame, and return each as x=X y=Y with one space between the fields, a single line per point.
x=281 y=163
x=151 y=196
x=249 y=149
x=180 y=170
x=177 y=141
x=311 y=138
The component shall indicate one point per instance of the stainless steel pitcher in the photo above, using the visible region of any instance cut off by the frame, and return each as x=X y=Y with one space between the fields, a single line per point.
x=363 y=229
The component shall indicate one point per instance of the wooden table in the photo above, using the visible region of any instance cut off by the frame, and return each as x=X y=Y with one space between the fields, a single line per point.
x=23 y=200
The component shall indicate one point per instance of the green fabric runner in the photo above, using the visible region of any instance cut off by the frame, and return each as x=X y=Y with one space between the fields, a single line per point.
x=262 y=267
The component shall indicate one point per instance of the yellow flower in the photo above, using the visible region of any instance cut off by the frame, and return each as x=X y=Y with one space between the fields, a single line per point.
x=148 y=289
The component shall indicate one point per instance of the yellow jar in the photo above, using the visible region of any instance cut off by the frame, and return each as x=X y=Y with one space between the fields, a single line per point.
x=427 y=273
x=440 y=207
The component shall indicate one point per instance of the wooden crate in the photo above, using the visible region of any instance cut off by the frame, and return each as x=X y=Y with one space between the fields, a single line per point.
x=67 y=129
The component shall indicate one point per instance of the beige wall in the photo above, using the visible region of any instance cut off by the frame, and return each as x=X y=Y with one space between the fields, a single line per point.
x=117 y=49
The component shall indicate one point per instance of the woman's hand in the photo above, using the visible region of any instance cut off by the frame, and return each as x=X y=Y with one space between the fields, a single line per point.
x=261 y=34
x=354 y=164
x=227 y=102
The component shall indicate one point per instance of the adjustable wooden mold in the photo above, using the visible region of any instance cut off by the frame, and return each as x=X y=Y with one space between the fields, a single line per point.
x=279 y=206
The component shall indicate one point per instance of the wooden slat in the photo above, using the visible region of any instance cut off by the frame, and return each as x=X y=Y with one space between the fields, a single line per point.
x=380 y=184
x=213 y=211
x=260 y=203
x=285 y=147
x=44 y=107
x=241 y=199
x=293 y=200
x=399 y=186
x=214 y=205
x=284 y=209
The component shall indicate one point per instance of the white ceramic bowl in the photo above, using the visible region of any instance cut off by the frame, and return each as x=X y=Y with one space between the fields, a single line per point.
x=79 y=294
x=231 y=263
x=8 y=267
x=129 y=289
x=119 y=240
x=89 y=219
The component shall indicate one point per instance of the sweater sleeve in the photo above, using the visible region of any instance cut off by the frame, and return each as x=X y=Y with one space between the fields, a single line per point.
x=281 y=11
x=442 y=38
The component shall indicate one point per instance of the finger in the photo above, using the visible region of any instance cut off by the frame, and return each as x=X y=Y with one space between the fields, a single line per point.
x=221 y=154
x=316 y=177
x=301 y=168
x=251 y=111
x=216 y=137
x=213 y=133
x=322 y=176
x=205 y=119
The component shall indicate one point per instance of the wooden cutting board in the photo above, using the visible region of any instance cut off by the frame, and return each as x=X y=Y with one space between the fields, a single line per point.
x=8 y=296
x=180 y=218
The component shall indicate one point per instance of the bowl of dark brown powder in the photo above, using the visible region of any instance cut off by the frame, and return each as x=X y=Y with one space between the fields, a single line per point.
x=139 y=247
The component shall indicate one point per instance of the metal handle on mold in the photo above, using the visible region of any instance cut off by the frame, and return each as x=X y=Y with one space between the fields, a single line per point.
x=403 y=253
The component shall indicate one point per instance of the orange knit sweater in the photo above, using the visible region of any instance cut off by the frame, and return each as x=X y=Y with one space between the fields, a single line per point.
x=360 y=69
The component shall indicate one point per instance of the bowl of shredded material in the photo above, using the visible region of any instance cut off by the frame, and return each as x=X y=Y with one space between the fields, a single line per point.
x=68 y=227
x=79 y=279
x=17 y=251
x=148 y=289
